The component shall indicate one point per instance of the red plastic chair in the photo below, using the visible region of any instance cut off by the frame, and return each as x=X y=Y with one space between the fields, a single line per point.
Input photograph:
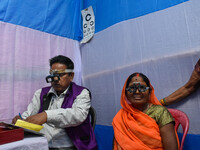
x=180 y=118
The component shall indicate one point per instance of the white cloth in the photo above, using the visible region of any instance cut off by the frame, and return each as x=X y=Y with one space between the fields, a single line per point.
x=28 y=143
x=58 y=118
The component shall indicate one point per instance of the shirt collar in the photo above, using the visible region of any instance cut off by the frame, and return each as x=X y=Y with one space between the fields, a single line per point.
x=54 y=92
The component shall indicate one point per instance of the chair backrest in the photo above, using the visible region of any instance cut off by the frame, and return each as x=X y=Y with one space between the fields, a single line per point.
x=180 y=118
x=92 y=113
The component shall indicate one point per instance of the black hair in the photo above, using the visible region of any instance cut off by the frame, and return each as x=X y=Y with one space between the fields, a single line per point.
x=146 y=80
x=62 y=60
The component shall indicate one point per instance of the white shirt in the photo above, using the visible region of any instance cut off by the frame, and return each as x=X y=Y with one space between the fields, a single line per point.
x=58 y=118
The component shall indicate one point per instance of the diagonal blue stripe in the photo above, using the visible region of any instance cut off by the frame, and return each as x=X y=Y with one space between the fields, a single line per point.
x=63 y=17
x=109 y=12
x=59 y=17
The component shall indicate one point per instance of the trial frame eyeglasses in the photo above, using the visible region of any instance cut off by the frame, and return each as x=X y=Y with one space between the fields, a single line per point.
x=137 y=85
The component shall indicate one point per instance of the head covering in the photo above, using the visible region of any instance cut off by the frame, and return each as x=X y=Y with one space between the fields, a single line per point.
x=134 y=129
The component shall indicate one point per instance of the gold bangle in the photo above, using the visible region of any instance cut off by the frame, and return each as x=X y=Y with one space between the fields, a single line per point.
x=162 y=102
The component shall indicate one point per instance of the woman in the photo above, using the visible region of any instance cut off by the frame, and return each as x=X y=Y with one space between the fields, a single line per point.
x=142 y=123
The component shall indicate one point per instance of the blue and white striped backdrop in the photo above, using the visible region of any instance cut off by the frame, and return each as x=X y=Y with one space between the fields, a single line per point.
x=160 y=38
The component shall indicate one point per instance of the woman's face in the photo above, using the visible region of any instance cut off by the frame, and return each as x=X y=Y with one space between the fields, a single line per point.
x=137 y=98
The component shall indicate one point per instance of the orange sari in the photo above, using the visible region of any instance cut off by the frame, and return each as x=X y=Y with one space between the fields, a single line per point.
x=134 y=129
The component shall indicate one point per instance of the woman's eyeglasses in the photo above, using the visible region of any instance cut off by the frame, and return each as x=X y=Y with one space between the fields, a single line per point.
x=135 y=86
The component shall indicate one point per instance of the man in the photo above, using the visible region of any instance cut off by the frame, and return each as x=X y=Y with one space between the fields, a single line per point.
x=192 y=85
x=62 y=109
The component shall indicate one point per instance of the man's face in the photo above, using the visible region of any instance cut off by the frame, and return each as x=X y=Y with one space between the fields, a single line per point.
x=65 y=78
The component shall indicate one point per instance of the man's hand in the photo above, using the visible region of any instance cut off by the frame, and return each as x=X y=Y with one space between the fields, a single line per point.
x=14 y=120
x=192 y=85
x=40 y=118
x=194 y=78
x=197 y=66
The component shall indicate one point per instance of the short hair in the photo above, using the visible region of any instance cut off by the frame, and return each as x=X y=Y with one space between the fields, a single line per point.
x=62 y=60
x=146 y=80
